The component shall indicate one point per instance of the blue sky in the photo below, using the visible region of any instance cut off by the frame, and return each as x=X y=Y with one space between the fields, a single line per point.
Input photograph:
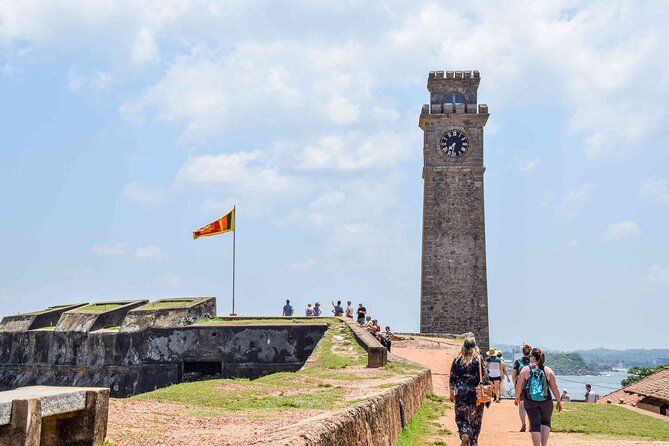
x=126 y=125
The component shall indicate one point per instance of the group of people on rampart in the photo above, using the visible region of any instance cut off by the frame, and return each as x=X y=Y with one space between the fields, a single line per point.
x=360 y=313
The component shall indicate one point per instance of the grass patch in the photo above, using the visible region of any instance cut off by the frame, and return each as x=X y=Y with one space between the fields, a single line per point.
x=159 y=305
x=402 y=367
x=609 y=420
x=209 y=397
x=423 y=429
x=337 y=349
x=273 y=321
x=98 y=308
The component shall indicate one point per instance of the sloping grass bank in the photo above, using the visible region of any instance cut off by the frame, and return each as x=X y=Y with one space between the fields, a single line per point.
x=424 y=429
x=609 y=420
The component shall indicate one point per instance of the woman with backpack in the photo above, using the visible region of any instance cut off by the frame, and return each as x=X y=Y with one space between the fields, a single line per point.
x=467 y=372
x=536 y=382
x=518 y=365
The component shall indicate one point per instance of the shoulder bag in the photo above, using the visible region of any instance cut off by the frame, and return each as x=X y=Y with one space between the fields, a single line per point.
x=483 y=391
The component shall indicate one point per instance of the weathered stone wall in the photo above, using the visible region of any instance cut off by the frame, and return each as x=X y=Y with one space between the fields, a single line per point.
x=454 y=295
x=131 y=363
x=375 y=422
x=142 y=318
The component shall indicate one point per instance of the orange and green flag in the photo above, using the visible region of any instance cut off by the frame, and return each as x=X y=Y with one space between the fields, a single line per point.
x=220 y=226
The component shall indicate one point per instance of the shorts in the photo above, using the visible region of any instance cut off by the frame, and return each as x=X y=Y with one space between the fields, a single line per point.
x=539 y=413
x=495 y=378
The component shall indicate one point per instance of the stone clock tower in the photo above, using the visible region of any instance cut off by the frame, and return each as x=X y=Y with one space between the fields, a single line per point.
x=454 y=291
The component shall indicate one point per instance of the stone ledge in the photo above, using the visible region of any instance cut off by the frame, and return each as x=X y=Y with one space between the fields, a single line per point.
x=377 y=354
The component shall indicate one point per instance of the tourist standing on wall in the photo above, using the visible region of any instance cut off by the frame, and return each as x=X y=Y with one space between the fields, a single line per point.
x=317 y=309
x=362 y=312
x=517 y=367
x=310 y=311
x=287 y=309
x=337 y=310
x=349 y=309
x=467 y=373
x=536 y=382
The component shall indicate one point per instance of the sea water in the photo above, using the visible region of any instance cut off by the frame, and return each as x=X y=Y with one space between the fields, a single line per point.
x=601 y=384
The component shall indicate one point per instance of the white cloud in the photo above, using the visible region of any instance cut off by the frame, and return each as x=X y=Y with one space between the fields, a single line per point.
x=576 y=199
x=657 y=274
x=114 y=249
x=151 y=253
x=523 y=166
x=144 y=48
x=211 y=205
x=354 y=151
x=621 y=229
x=655 y=190
x=571 y=243
x=143 y=194
x=91 y=81
x=169 y=280
x=248 y=170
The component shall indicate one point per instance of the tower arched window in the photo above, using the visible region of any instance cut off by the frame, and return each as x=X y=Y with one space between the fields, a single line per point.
x=455 y=98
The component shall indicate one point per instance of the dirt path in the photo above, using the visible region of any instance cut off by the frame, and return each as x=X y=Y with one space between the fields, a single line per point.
x=501 y=421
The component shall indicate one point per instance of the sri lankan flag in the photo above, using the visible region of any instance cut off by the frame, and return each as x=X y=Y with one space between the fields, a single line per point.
x=220 y=226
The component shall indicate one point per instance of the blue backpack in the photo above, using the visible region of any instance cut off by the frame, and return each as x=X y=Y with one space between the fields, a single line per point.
x=537 y=385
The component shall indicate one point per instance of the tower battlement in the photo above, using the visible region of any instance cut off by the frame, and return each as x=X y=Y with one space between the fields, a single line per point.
x=448 y=89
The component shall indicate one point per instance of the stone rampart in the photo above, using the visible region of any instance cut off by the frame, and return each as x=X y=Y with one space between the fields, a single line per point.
x=91 y=354
x=375 y=422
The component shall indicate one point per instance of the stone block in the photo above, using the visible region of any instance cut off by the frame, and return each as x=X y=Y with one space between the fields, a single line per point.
x=483 y=108
x=425 y=110
x=459 y=108
x=435 y=109
x=35 y=320
x=169 y=313
x=87 y=318
x=472 y=108
x=450 y=75
x=440 y=74
x=54 y=416
x=458 y=74
x=467 y=74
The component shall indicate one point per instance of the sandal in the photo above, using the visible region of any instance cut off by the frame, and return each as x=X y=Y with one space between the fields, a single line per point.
x=465 y=440
x=523 y=429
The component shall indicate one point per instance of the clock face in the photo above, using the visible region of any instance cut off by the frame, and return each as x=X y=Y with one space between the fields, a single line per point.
x=454 y=143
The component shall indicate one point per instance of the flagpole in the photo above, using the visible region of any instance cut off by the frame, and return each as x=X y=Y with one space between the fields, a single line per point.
x=234 y=257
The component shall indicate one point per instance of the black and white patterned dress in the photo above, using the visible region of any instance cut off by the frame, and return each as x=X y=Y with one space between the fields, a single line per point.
x=463 y=380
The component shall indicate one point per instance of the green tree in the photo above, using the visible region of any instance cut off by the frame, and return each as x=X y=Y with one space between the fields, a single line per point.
x=638 y=373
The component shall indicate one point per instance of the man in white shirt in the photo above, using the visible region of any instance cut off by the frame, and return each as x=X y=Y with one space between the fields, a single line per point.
x=590 y=396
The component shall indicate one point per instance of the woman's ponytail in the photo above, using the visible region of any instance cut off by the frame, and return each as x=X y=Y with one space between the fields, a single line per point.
x=539 y=356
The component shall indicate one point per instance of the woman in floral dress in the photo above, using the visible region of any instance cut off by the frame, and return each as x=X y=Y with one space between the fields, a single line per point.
x=463 y=381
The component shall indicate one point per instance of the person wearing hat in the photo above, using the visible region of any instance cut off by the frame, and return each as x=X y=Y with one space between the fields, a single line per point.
x=494 y=364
